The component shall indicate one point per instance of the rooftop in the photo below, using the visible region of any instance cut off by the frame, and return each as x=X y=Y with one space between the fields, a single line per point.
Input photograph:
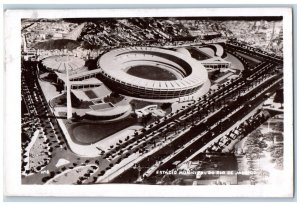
x=63 y=63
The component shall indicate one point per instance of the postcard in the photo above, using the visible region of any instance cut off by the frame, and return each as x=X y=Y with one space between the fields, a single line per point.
x=149 y=102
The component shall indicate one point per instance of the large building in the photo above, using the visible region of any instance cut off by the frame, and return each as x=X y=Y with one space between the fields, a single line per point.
x=152 y=73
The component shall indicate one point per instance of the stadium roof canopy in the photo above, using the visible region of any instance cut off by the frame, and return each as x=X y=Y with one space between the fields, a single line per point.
x=63 y=63
x=114 y=63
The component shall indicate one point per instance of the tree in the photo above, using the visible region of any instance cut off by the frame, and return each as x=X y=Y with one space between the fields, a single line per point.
x=133 y=107
x=165 y=106
x=59 y=87
x=95 y=179
x=76 y=117
x=45 y=179
x=279 y=97
x=146 y=118
x=52 y=173
x=134 y=115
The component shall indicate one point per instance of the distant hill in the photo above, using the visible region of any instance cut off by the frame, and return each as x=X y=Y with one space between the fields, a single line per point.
x=57 y=44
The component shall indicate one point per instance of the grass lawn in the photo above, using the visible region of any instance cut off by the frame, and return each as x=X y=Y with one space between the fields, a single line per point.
x=60 y=101
x=91 y=94
x=237 y=64
x=38 y=154
x=197 y=54
x=151 y=72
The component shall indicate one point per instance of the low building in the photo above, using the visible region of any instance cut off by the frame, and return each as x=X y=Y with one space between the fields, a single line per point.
x=216 y=63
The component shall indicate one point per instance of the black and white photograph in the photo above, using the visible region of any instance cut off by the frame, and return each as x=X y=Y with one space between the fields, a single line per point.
x=160 y=99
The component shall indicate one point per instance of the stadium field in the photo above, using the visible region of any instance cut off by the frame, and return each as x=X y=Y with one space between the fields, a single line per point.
x=151 y=73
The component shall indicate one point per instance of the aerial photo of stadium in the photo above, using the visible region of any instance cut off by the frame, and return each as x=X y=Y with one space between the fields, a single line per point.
x=124 y=100
x=153 y=73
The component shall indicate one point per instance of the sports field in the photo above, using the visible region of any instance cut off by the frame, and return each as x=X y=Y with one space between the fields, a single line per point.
x=151 y=73
x=91 y=94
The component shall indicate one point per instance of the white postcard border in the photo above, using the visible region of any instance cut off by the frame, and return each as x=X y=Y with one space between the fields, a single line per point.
x=12 y=140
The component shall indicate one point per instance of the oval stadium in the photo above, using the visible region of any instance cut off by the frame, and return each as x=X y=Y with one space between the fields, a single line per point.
x=152 y=73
